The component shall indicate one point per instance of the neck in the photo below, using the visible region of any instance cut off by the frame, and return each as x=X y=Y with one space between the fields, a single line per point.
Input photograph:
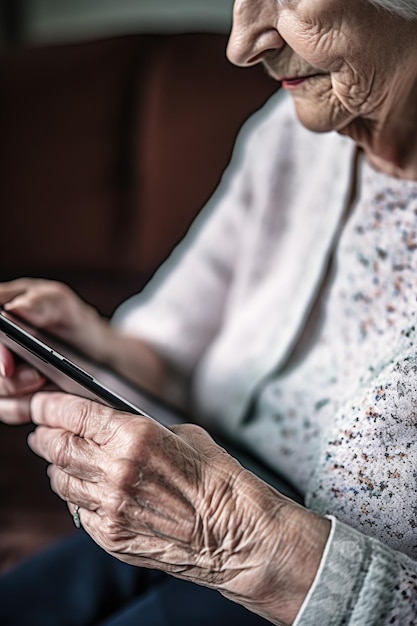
x=389 y=139
x=394 y=150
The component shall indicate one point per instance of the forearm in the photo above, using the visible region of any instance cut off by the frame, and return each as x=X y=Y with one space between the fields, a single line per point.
x=276 y=564
x=311 y=577
x=283 y=597
x=131 y=357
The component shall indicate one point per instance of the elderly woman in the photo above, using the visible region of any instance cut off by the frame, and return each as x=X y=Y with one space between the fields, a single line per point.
x=287 y=323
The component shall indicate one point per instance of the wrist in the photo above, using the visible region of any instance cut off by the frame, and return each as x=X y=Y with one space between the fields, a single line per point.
x=305 y=537
x=288 y=547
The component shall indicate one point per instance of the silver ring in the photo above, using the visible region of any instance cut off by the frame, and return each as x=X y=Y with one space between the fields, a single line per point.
x=76 y=516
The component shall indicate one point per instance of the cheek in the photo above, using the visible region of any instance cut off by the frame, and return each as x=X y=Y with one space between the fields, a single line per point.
x=357 y=89
x=320 y=46
x=351 y=75
x=320 y=110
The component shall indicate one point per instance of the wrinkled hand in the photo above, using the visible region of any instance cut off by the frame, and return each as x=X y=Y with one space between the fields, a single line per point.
x=174 y=500
x=18 y=382
x=55 y=307
x=49 y=305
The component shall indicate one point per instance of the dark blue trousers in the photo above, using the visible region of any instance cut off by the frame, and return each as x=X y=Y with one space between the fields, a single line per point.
x=75 y=583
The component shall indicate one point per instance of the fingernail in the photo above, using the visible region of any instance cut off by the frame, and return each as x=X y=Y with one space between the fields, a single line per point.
x=2 y=370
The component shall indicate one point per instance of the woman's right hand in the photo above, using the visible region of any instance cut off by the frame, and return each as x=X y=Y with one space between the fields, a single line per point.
x=52 y=306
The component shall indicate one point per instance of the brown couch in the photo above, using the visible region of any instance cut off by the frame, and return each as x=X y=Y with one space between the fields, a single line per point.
x=108 y=150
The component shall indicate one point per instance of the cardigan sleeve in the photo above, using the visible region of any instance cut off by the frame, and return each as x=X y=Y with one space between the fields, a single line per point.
x=181 y=309
x=361 y=581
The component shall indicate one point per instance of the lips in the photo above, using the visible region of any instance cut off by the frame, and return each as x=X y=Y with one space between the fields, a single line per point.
x=295 y=81
x=274 y=70
x=292 y=82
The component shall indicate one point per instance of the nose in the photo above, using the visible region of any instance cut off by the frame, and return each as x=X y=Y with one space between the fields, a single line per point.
x=254 y=31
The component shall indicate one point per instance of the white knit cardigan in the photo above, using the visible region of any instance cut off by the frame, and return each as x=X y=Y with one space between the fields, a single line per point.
x=230 y=303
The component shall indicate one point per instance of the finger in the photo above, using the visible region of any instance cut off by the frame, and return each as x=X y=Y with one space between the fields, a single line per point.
x=77 y=415
x=7 y=362
x=75 y=455
x=15 y=410
x=24 y=380
x=14 y=288
x=74 y=490
x=41 y=304
x=139 y=547
x=88 y=519
x=82 y=514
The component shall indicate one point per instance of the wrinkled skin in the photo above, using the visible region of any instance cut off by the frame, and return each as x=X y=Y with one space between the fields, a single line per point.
x=50 y=305
x=176 y=501
x=358 y=62
x=172 y=499
x=55 y=307
x=167 y=499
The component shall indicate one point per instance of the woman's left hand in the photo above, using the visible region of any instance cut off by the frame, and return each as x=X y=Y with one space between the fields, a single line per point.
x=174 y=500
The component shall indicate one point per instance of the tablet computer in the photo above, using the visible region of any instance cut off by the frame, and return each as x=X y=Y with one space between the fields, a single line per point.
x=77 y=374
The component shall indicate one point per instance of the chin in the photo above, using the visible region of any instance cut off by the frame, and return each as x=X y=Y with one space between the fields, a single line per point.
x=319 y=118
x=313 y=118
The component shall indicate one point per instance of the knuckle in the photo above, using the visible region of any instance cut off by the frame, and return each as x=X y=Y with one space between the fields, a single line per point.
x=115 y=511
x=110 y=535
x=56 y=289
x=56 y=293
x=60 y=483
x=64 y=449
x=123 y=490
x=150 y=433
x=138 y=437
x=81 y=410
x=124 y=473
